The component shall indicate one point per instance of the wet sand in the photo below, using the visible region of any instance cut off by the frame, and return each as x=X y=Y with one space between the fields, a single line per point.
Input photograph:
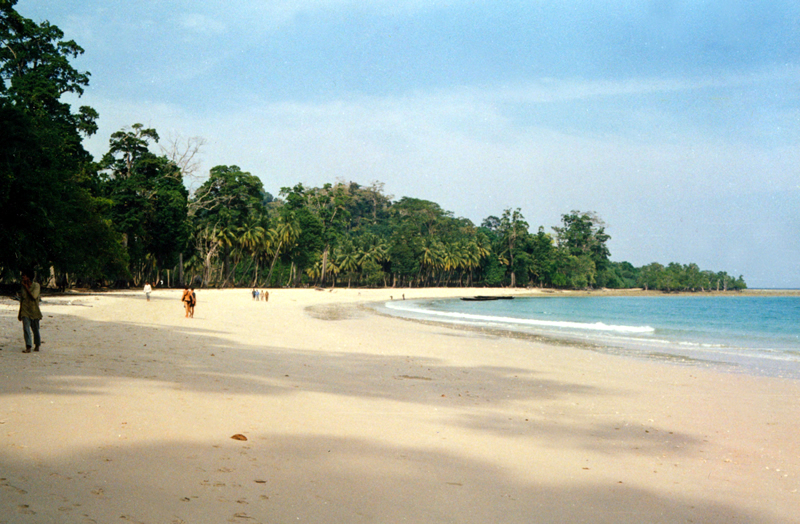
x=128 y=412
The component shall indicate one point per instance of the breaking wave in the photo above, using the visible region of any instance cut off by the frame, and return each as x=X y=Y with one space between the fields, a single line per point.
x=514 y=321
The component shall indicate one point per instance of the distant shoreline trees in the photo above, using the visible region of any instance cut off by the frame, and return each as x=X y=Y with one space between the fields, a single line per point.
x=130 y=218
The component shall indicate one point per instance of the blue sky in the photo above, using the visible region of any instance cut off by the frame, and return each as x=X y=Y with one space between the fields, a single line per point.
x=678 y=122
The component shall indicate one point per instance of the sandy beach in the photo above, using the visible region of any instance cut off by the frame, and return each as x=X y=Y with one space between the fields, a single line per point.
x=128 y=414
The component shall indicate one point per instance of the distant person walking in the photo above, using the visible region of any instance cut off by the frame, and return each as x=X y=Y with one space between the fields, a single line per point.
x=186 y=298
x=192 y=302
x=265 y=294
x=255 y=294
x=147 y=290
x=29 y=313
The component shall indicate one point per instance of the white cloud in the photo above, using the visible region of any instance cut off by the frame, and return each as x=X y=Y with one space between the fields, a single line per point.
x=465 y=135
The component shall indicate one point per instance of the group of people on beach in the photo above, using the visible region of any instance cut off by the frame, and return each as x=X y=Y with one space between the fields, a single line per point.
x=189 y=298
x=260 y=295
x=30 y=314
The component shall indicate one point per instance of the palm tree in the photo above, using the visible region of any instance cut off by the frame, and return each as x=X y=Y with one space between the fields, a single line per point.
x=432 y=256
x=315 y=271
x=251 y=238
x=483 y=244
x=346 y=257
x=472 y=258
x=452 y=259
x=286 y=232
x=264 y=250
x=512 y=229
x=228 y=239
x=194 y=265
x=372 y=249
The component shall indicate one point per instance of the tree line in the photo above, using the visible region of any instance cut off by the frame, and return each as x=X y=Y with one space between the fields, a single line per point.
x=128 y=218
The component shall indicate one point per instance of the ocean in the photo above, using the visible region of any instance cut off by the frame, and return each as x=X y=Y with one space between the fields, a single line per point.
x=757 y=335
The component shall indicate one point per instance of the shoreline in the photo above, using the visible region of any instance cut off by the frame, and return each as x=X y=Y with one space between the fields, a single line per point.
x=435 y=291
x=351 y=416
x=738 y=360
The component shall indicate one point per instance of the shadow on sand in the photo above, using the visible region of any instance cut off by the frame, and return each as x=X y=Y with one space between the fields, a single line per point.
x=317 y=478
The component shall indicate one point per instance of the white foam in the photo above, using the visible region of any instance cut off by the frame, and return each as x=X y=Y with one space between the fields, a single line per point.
x=593 y=326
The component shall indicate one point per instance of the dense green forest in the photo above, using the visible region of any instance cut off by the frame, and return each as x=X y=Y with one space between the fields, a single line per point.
x=128 y=217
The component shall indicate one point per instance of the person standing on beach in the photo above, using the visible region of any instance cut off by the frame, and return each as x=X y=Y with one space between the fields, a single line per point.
x=186 y=298
x=147 y=290
x=192 y=302
x=29 y=313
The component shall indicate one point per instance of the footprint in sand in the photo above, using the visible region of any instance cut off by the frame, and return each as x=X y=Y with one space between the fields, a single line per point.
x=131 y=519
x=25 y=510
x=19 y=491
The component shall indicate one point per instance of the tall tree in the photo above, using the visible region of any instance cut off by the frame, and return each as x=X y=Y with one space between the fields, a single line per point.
x=50 y=213
x=512 y=230
x=542 y=259
x=149 y=201
x=222 y=206
x=583 y=233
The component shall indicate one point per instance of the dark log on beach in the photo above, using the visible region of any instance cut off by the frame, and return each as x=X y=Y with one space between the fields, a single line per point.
x=483 y=297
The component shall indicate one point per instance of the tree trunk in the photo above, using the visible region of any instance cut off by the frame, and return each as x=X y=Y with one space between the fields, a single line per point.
x=255 y=279
x=206 y=269
x=274 y=259
x=324 y=266
x=291 y=272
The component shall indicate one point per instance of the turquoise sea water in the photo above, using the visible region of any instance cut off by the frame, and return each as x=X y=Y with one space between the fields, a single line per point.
x=751 y=334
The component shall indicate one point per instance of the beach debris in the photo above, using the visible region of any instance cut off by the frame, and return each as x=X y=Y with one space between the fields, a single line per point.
x=239 y=436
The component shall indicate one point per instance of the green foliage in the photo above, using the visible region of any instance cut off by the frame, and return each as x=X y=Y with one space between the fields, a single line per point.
x=35 y=71
x=493 y=272
x=677 y=277
x=583 y=234
x=404 y=256
x=542 y=260
x=310 y=242
x=229 y=197
x=618 y=275
x=50 y=213
x=149 y=202
x=374 y=276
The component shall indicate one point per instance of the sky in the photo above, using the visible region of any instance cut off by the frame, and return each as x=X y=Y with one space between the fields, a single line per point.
x=677 y=122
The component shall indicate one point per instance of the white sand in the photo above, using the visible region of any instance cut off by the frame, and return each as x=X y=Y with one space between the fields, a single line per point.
x=127 y=416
